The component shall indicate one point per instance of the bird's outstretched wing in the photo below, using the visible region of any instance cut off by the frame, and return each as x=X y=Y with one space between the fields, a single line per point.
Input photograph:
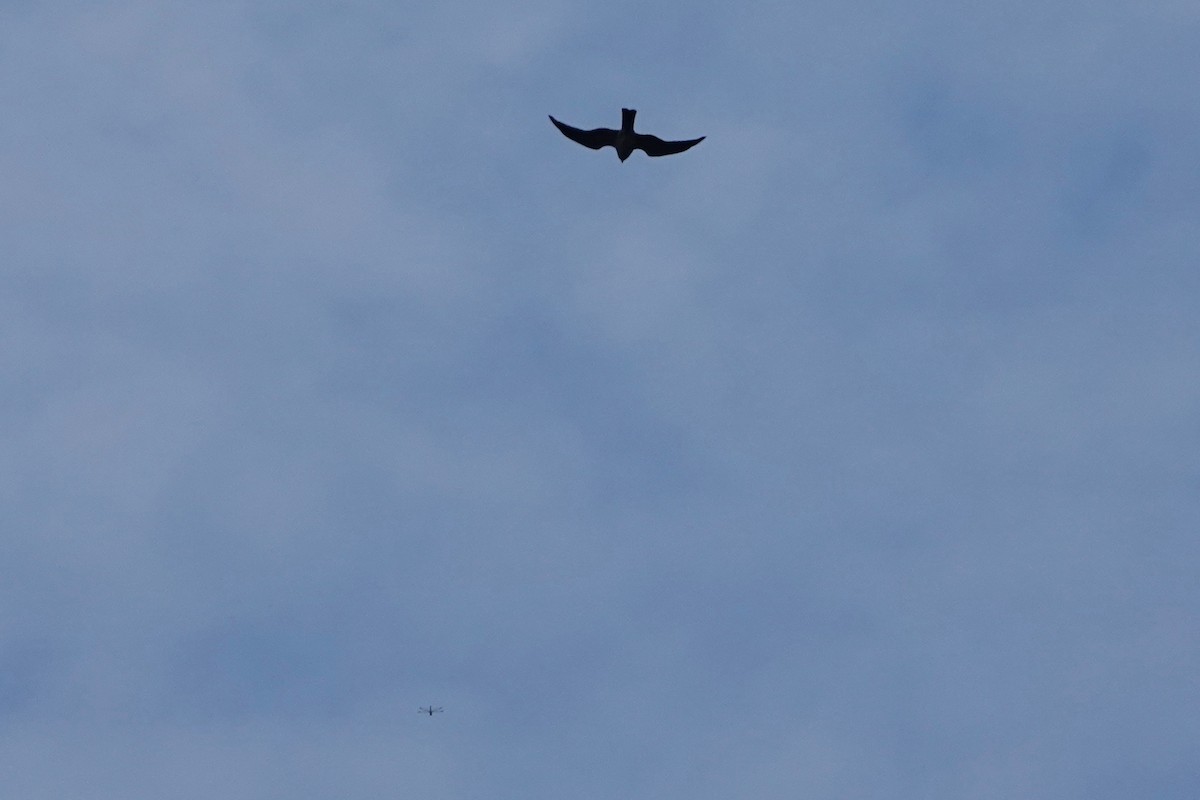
x=654 y=146
x=601 y=137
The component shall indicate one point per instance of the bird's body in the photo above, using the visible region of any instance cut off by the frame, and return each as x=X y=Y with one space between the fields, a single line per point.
x=625 y=140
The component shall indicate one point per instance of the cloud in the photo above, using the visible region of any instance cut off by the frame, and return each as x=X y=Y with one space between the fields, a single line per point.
x=850 y=454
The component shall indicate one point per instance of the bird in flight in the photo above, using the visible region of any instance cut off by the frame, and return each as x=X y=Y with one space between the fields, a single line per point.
x=625 y=141
x=430 y=710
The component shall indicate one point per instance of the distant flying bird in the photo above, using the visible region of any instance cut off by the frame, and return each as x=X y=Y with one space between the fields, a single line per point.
x=430 y=710
x=625 y=140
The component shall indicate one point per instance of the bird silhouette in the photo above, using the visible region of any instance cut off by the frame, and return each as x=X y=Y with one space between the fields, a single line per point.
x=625 y=141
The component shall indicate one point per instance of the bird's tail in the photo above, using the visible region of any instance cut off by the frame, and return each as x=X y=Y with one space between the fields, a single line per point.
x=627 y=115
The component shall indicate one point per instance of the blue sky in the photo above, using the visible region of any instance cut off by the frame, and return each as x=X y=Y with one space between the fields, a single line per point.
x=851 y=454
